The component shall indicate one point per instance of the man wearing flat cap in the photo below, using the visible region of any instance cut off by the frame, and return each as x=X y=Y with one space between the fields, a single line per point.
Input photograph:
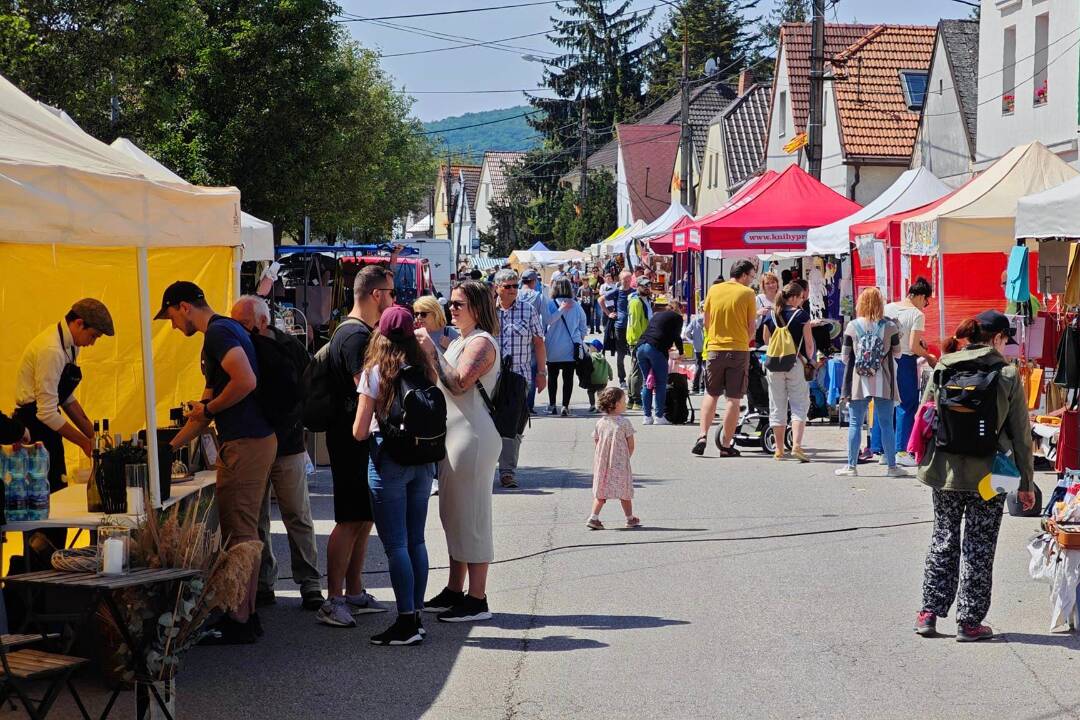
x=46 y=381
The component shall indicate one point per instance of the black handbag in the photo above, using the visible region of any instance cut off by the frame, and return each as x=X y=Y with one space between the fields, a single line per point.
x=582 y=361
x=509 y=408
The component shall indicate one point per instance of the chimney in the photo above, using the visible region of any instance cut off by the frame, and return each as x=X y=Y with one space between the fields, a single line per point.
x=746 y=79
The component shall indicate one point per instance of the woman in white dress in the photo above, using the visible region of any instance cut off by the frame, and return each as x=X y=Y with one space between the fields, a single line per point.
x=472 y=451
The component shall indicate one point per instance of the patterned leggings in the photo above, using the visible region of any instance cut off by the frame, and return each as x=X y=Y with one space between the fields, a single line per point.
x=943 y=570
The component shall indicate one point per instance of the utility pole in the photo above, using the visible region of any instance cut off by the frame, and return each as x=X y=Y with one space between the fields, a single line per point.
x=583 y=153
x=817 y=89
x=449 y=221
x=684 y=122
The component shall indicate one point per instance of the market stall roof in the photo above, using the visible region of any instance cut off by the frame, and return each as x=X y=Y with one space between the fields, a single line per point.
x=59 y=184
x=914 y=188
x=879 y=228
x=774 y=215
x=665 y=244
x=681 y=235
x=980 y=216
x=544 y=257
x=256 y=235
x=1053 y=213
x=614 y=243
x=662 y=224
x=539 y=246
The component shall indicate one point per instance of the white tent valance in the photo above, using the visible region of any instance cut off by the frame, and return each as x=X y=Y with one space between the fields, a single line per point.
x=1053 y=213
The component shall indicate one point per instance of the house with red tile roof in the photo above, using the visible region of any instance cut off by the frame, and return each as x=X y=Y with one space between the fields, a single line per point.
x=646 y=162
x=494 y=173
x=875 y=88
x=461 y=207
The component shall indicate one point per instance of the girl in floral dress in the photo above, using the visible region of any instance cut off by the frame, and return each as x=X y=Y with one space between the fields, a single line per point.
x=612 y=478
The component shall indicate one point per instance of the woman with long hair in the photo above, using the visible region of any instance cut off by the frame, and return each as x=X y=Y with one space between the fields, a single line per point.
x=399 y=491
x=429 y=314
x=764 y=302
x=789 y=389
x=954 y=476
x=567 y=327
x=961 y=336
x=472 y=451
x=871 y=347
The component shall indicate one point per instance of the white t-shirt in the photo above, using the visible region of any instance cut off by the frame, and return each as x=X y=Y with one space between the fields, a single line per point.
x=908 y=318
x=369 y=386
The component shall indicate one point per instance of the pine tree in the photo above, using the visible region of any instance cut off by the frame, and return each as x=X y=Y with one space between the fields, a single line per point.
x=714 y=29
x=785 y=11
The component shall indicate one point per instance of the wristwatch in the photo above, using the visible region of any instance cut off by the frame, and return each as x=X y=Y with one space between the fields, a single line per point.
x=207 y=413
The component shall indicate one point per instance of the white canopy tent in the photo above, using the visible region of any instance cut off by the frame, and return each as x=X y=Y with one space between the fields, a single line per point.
x=1053 y=213
x=914 y=188
x=257 y=235
x=79 y=219
x=659 y=226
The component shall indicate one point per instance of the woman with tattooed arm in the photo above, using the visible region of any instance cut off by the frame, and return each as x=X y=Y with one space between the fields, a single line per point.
x=472 y=451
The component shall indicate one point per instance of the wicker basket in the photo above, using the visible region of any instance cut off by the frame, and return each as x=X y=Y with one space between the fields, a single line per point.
x=80 y=560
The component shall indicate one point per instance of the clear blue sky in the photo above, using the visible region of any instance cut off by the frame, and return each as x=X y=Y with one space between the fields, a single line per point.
x=482 y=68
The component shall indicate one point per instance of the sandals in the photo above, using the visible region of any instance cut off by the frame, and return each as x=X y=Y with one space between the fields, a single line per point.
x=632 y=522
x=699 y=446
x=729 y=451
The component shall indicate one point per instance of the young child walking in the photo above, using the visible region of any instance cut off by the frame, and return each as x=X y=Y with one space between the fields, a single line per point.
x=612 y=478
x=601 y=372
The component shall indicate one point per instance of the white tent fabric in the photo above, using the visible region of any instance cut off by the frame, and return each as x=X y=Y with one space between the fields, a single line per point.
x=1053 y=213
x=980 y=216
x=53 y=177
x=617 y=244
x=659 y=226
x=545 y=257
x=912 y=189
x=422 y=225
x=257 y=235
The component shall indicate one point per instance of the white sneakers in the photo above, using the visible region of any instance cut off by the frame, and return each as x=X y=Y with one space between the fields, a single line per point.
x=905 y=459
x=647 y=420
x=847 y=471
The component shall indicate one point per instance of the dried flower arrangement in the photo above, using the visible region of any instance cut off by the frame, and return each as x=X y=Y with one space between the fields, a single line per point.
x=164 y=622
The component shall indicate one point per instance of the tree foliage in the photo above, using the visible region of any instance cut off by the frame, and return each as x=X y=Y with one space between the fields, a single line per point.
x=578 y=226
x=713 y=29
x=784 y=11
x=266 y=95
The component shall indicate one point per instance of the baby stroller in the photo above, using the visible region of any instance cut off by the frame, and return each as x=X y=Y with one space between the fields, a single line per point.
x=754 y=427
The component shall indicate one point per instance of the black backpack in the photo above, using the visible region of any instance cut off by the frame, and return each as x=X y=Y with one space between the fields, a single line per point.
x=967 y=411
x=414 y=433
x=322 y=386
x=278 y=387
x=677 y=407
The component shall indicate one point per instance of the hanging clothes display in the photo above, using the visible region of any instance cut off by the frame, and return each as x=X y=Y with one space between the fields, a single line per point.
x=1068 y=357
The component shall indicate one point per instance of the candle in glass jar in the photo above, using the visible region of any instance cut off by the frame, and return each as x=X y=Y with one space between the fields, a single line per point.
x=113 y=549
x=135 y=501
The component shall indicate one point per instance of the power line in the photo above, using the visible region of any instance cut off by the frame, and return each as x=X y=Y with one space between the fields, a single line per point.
x=436 y=35
x=482 y=43
x=461 y=12
x=489 y=122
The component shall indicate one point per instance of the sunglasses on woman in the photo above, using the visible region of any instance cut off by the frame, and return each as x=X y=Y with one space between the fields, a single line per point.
x=457 y=304
x=421 y=314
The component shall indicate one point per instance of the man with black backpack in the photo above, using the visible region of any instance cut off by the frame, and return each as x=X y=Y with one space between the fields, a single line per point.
x=247 y=444
x=283 y=356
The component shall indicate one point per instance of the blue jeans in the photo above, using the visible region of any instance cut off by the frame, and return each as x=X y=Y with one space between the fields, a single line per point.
x=651 y=359
x=399 y=498
x=907 y=381
x=883 y=418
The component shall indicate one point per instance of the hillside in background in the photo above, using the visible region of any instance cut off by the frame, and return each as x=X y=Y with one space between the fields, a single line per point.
x=509 y=135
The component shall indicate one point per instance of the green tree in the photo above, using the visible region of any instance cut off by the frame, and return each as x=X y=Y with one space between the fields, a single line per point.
x=713 y=29
x=579 y=225
x=784 y=11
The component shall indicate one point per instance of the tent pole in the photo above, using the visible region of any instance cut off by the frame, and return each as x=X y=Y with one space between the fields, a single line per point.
x=238 y=259
x=149 y=392
x=941 y=294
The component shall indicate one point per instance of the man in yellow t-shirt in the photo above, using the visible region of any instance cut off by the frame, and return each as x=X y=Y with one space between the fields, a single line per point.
x=730 y=322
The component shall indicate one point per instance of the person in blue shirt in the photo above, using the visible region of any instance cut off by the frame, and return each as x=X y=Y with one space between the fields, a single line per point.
x=247 y=443
x=565 y=331
x=617 y=301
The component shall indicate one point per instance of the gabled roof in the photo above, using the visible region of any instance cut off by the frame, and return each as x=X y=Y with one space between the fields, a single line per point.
x=795 y=46
x=498 y=164
x=744 y=127
x=705 y=102
x=648 y=157
x=471 y=175
x=875 y=120
x=960 y=39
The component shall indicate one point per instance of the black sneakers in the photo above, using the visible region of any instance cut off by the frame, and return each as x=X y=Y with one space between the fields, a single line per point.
x=404 y=631
x=468 y=610
x=444 y=601
x=230 y=632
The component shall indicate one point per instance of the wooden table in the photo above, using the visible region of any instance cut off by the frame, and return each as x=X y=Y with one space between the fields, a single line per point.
x=102 y=589
x=67 y=507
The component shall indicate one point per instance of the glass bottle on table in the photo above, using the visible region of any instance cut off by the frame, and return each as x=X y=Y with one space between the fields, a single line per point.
x=106 y=438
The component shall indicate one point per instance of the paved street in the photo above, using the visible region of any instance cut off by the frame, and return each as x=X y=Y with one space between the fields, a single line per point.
x=684 y=618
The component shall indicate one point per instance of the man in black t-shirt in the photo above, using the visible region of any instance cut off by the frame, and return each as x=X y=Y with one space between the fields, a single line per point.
x=373 y=292
x=288 y=475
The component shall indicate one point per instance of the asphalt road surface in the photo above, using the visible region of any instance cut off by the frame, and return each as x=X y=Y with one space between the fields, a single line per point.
x=755 y=589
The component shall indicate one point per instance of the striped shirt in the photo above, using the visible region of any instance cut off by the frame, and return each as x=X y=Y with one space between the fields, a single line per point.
x=517 y=328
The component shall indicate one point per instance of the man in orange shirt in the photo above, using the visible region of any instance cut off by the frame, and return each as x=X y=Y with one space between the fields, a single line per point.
x=730 y=322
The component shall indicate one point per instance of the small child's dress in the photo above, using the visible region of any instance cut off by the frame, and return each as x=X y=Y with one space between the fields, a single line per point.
x=612 y=477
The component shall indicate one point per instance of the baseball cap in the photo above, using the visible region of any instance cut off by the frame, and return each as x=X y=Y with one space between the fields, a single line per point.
x=660 y=300
x=643 y=282
x=180 y=291
x=396 y=323
x=94 y=315
x=994 y=322
x=597 y=345
x=529 y=274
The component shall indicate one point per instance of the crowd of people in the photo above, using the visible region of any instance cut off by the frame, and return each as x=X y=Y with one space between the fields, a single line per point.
x=387 y=368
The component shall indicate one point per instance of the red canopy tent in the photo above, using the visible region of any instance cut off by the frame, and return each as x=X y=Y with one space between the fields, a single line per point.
x=974 y=278
x=665 y=244
x=773 y=216
x=681 y=239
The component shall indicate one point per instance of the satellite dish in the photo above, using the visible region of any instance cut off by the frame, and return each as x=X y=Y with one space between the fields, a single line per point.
x=710 y=67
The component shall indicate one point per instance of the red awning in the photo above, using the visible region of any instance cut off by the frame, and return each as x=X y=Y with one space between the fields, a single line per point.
x=685 y=240
x=665 y=244
x=772 y=216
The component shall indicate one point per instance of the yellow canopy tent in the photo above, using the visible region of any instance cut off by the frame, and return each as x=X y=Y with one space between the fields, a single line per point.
x=78 y=219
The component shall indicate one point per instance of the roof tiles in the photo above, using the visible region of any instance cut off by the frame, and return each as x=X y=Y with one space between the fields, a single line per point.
x=499 y=163
x=648 y=154
x=745 y=125
x=961 y=41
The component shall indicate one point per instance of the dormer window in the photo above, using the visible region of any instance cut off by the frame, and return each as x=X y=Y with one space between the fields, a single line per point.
x=913 y=83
